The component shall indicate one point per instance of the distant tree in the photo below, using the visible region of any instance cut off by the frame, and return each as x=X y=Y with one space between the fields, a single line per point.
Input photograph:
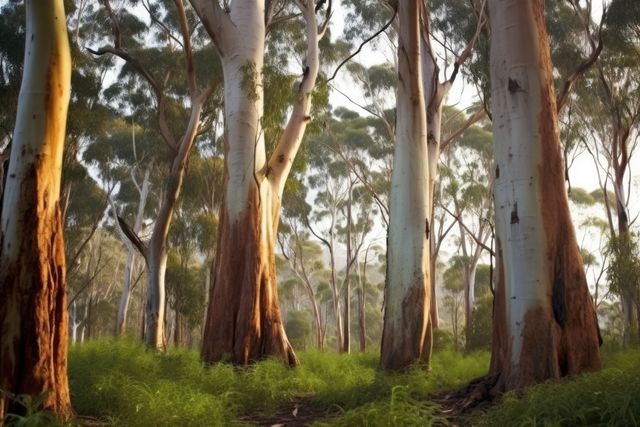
x=623 y=272
x=479 y=335
x=453 y=299
x=609 y=122
x=298 y=328
x=305 y=261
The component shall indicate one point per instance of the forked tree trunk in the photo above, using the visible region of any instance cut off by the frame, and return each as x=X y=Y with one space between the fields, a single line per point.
x=408 y=287
x=544 y=321
x=243 y=318
x=33 y=306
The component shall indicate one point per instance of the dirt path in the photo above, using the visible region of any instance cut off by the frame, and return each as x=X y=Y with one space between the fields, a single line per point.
x=459 y=407
x=303 y=411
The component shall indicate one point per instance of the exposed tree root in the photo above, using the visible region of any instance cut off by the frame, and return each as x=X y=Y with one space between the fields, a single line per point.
x=460 y=405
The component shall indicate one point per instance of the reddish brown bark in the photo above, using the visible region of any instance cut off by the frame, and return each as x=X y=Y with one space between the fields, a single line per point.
x=561 y=337
x=243 y=323
x=33 y=315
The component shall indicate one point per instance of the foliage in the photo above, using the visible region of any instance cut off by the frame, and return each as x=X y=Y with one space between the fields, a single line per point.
x=34 y=415
x=298 y=326
x=623 y=271
x=610 y=397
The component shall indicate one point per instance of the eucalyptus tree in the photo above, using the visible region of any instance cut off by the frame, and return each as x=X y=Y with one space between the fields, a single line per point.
x=408 y=281
x=341 y=173
x=243 y=321
x=172 y=88
x=304 y=258
x=614 y=116
x=469 y=187
x=33 y=311
x=544 y=323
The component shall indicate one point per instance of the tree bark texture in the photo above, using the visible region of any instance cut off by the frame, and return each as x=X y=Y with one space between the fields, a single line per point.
x=545 y=323
x=33 y=307
x=408 y=287
x=244 y=323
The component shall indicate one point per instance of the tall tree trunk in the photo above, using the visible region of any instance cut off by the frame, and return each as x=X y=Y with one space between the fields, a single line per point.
x=156 y=254
x=544 y=321
x=408 y=287
x=434 y=94
x=626 y=300
x=33 y=306
x=243 y=319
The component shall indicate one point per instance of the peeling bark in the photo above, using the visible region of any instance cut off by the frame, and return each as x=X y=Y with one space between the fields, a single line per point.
x=544 y=321
x=33 y=308
x=243 y=318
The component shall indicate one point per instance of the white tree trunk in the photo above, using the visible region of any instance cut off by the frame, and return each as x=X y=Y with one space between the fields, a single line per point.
x=243 y=319
x=544 y=321
x=408 y=289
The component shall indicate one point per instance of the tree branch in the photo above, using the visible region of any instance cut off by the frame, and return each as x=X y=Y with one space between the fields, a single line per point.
x=373 y=36
x=474 y=118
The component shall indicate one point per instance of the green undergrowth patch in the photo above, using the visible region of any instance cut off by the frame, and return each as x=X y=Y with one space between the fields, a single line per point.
x=124 y=384
x=369 y=397
x=610 y=397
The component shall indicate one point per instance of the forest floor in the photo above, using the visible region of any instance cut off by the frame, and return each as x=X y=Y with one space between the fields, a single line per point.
x=120 y=383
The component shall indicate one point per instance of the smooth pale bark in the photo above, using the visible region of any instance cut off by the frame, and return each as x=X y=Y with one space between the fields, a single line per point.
x=302 y=274
x=244 y=323
x=130 y=266
x=156 y=255
x=335 y=293
x=33 y=307
x=408 y=287
x=544 y=321
x=346 y=331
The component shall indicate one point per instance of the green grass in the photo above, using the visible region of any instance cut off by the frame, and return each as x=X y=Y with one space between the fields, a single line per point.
x=126 y=385
x=123 y=383
x=610 y=397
